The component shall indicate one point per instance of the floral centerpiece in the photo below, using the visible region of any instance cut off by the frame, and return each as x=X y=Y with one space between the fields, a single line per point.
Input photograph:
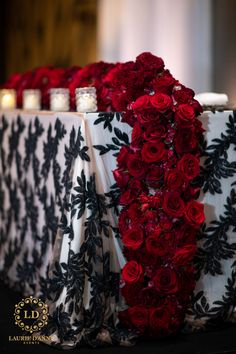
x=156 y=175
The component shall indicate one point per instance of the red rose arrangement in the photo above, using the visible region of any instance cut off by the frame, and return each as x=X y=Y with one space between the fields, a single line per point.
x=155 y=173
x=45 y=78
x=42 y=78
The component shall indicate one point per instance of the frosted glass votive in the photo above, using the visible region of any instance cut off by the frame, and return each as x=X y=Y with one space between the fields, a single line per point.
x=7 y=99
x=60 y=99
x=86 y=99
x=32 y=99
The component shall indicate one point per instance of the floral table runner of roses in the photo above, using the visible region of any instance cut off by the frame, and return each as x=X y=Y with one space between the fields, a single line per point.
x=157 y=174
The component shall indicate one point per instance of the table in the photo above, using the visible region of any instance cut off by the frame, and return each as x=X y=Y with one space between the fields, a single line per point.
x=56 y=169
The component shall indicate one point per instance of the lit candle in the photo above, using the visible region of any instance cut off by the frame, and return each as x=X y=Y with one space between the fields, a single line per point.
x=86 y=99
x=7 y=99
x=59 y=99
x=31 y=99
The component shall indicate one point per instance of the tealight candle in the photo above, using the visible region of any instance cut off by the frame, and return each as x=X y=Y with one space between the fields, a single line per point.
x=59 y=99
x=31 y=99
x=86 y=99
x=8 y=99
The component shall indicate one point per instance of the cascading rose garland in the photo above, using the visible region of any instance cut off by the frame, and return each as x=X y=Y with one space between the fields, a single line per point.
x=160 y=216
x=156 y=173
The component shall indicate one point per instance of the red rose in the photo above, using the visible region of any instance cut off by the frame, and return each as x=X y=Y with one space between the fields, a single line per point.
x=174 y=179
x=131 y=293
x=141 y=103
x=185 y=141
x=154 y=133
x=147 y=118
x=185 y=115
x=147 y=259
x=173 y=205
x=149 y=297
x=127 y=197
x=128 y=79
x=189 y=165
x=183 y=94
x=151 y=216
x=165 y=223
x=197 y=107
x=122 y=157
x=132 y=272
x=157 y=246
x=136 y=166
x=155 y=201
x=161 y=102
x=138 y=317
x=120 y=101
x=13 y=81
x=164 y=83
x=121 y=177
x=166 y=281
x=123 y=221
x=153 y=151
x=186 y=234
x=129 y=118
x=23 y=83
x=150 y=62
x=135 y=188
x=154 y=177
x=137 y=134
x=184 y=255
x=194 y=213
x=159 y=321
x=45 y=78
x=198 y=127
x=134 y=212
x=133 y=238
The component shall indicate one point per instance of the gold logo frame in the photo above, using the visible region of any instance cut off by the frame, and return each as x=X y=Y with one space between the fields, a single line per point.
x=42 y=318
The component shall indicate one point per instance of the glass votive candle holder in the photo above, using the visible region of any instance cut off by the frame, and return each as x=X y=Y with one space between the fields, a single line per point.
x=7 y=99
x=59 y=99
x=86 y=99
x=31 y=99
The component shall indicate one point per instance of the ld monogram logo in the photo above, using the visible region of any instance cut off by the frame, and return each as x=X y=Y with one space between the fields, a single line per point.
x=31 y=314
x=34 y=314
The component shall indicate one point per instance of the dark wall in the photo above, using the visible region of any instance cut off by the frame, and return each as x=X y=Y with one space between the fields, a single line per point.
x=47 y=32
x=2 y=40
x=224 y=48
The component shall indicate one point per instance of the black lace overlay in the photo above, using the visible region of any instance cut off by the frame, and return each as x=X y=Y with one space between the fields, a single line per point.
x=32 y=190
x=83 y=290
x=216 y=166
x=214 y=299
x=59 y=235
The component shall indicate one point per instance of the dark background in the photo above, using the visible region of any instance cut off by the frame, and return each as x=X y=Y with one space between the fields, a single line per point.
x=46 y=32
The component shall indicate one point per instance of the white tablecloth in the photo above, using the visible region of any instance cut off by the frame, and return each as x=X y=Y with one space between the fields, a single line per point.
x=57 y=168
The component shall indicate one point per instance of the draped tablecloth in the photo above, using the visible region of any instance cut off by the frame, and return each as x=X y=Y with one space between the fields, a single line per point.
x=214 y=299
x=56 y=170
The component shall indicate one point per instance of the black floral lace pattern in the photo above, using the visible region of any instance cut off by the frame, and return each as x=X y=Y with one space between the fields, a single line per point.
x=75 y=320
x=52 y=195
x=29 y=208
x=214 y=299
